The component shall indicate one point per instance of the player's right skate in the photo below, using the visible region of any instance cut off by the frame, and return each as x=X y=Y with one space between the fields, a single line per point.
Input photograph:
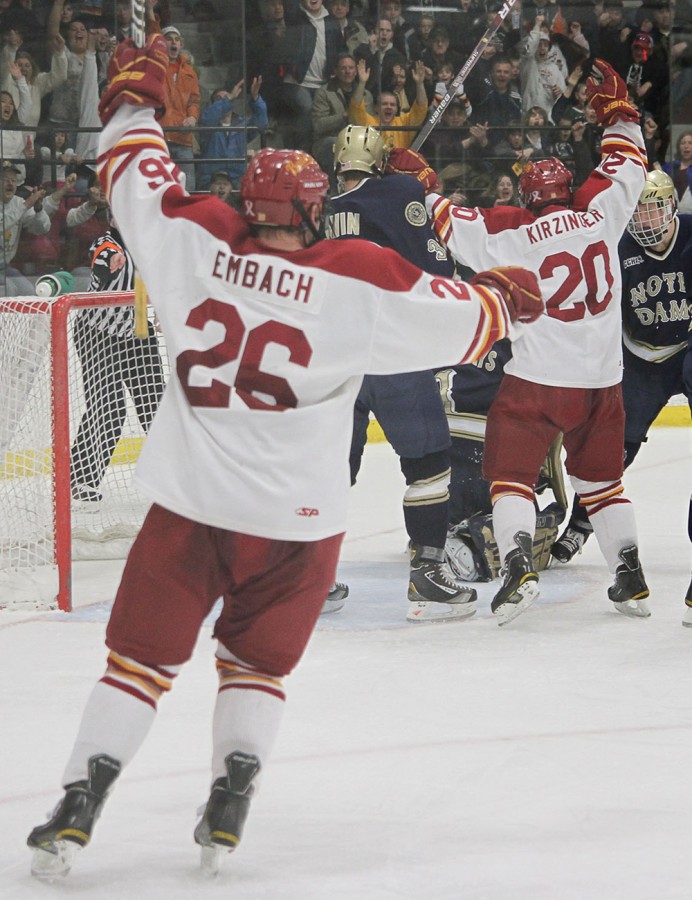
x=687 y=618
x=434 y=594
x=221 y=827
x=520 y=581
x=56 y=843
x=569 y=544
x=629 y=590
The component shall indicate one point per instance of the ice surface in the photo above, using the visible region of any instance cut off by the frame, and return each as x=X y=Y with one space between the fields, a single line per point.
x=542 y=761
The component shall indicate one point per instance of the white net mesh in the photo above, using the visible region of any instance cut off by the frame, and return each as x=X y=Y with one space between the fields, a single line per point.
x=83 y=383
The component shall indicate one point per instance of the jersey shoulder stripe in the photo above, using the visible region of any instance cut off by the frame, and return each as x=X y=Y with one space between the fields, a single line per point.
x=113 y=163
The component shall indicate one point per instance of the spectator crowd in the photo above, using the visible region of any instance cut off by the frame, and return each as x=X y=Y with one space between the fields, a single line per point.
x=293 y=73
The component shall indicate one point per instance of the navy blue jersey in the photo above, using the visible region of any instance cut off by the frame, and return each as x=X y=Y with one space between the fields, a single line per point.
x=472 y=388
x=390 y=212
x=655 y=300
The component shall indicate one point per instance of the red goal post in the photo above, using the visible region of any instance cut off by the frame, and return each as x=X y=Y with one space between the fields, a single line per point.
x=67 y=380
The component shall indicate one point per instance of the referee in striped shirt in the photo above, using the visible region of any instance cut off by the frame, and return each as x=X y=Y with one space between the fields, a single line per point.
x=112 y=360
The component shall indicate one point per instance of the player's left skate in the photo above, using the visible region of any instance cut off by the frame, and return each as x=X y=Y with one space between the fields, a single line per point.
x=434 y=594
x=629 y=590
x=336 y=598
x=520 y=581
x=687 y=618
x=84 y=493
x=69 y=829
x=221 y=827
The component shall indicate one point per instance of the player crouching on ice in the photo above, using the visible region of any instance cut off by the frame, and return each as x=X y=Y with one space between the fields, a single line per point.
x=270 y=333
x=565 y=372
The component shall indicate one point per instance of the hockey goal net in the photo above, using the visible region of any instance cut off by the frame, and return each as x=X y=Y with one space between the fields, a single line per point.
x=78 y=392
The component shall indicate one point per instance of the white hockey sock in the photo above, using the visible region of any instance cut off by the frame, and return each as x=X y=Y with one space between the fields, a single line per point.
x=113 y=722
x=611 y=515
x=615 y=527
x=511 y=514
x=248 y=712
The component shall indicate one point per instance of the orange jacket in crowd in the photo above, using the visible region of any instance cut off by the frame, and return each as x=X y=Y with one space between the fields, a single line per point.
x=182 y=100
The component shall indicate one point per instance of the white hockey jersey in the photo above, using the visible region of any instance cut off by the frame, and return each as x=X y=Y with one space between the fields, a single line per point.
x=268 y=350
x=574 y=252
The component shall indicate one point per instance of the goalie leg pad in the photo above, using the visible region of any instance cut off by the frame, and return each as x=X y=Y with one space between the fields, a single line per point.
x=487 y=556
x=552 y=473
x=548 y=522
x=480 y=528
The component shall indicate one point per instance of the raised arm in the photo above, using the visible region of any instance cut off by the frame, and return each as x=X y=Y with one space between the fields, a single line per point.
x=359 y=89
x=418 y=75
x=53 y=20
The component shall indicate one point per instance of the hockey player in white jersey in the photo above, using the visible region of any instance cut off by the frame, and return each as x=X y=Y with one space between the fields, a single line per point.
x=565 y=372
x=269 y=333
x=656 y=269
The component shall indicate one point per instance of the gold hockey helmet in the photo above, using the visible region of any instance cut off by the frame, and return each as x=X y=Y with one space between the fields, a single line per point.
x=656 y=209
x=359 y=148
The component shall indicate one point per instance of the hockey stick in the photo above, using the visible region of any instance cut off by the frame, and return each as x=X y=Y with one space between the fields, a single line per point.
x=137 y=28
x=141 y=319
x=436 y=114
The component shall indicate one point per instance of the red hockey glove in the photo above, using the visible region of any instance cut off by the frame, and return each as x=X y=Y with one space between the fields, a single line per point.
x=606 y=91
x=403 y=161
x=136 y=76
x=519 y=289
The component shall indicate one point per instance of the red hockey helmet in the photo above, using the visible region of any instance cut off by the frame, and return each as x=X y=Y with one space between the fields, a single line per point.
x=544 y=182
x=274 y=179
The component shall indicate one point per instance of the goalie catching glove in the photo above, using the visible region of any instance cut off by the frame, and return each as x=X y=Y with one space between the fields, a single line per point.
x=606 y=91
x=518 y=288
x=136 y=76
x=402 y=161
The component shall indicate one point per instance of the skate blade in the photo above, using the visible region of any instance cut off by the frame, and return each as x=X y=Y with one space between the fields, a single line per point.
x=332 y=606
x=48 y=865
x=510 y=611
x=432 y=611
x=563 y=562
x=634 y=609
x=212 y=857
x=687 y=618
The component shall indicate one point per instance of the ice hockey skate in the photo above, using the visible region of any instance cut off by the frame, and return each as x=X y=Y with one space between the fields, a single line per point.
x=434 y=594
x=629 y=590
x=221 y=827
x=569 y=544
x=69 y=829
x=520 y=582
x=687 y=618
x=84 y=493
x=336 y=598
